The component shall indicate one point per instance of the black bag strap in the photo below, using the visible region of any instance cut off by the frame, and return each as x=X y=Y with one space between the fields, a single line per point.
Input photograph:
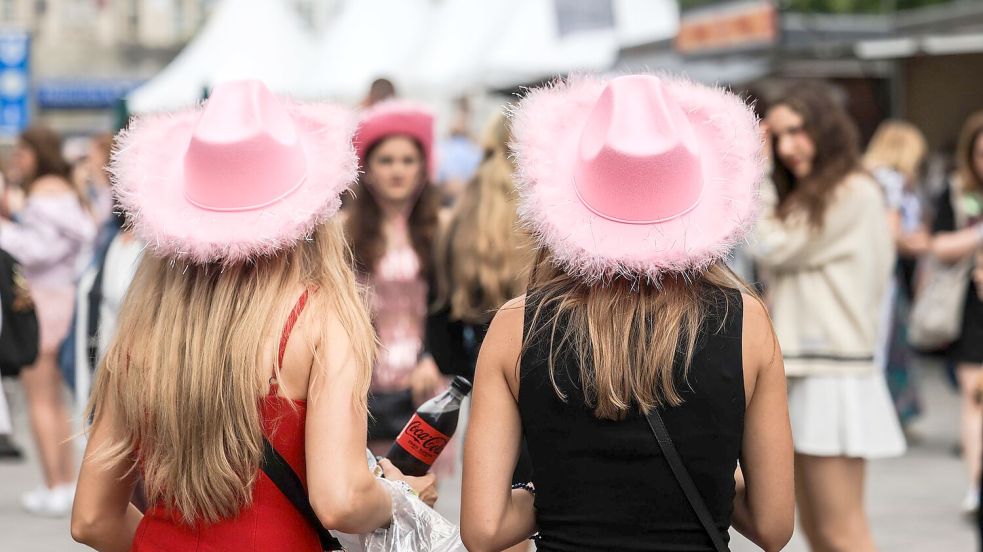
x=685 y=481
x=287 y=480
x=94 y=299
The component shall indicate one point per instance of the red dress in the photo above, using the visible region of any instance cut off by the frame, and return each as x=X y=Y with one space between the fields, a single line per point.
x=270 y=523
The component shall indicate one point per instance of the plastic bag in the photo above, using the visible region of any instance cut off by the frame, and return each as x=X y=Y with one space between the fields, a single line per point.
x=415 y=527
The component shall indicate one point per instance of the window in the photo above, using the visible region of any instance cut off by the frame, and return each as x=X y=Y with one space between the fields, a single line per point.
x=574 y=16
x=133 y=19
x=7 y=12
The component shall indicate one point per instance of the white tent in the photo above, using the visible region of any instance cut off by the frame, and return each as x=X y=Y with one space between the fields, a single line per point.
x=367 y=40
x=452 y=61
x=261 y=39
x=531 y=47
x=433 y=50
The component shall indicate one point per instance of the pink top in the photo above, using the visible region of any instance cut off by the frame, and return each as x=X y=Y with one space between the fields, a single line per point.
x=399 y=309
x=51 y=234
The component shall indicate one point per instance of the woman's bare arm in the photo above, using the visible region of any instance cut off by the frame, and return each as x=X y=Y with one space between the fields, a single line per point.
x=102 y=516
x=344 y=493
x=950 y=247
x=765 y=511
x=493 y=516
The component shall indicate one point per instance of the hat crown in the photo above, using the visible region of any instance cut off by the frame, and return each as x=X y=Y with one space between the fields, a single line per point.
x=638 y=159
x=245 y=152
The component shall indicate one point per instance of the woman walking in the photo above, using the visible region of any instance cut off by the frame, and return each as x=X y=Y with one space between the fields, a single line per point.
x=48 y=237
x=825 y=241
x=242 y=344
x=957 y=236
x=636 y=188
x=392 y=224
x=894 y=158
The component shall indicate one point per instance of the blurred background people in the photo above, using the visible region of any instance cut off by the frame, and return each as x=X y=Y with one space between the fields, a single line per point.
x=826 y=244
x=957 y=235
x=392 y=225
x=458 y=154
x=380 y=90
x=48 y=236
x=99 y=299
x=894 y=157
x=482 y=258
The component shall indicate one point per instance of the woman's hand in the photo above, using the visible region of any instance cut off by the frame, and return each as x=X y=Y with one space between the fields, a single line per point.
x=425 y=380
x=13 y=201
x=425 y=487
x=914 y=244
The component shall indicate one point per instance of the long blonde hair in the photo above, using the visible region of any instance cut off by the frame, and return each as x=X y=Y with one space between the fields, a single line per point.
x=484 y=255
x=181 y=378
x=897 y=145
x=627 y=336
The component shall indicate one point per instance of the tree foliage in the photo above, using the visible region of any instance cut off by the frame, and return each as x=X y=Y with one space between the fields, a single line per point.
x=831 y=6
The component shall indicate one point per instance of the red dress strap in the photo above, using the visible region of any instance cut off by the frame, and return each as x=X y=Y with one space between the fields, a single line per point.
x=291 y=322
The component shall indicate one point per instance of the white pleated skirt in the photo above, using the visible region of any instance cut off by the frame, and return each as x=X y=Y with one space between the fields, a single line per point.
x=844 y=416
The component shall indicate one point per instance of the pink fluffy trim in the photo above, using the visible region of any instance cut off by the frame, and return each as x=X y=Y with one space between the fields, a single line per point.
x=145 y=168
x=549 y=209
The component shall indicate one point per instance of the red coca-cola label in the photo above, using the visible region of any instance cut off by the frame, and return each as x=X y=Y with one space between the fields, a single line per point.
x=421 y=440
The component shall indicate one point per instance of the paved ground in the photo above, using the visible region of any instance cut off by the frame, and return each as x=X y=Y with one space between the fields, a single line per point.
x=913 y=500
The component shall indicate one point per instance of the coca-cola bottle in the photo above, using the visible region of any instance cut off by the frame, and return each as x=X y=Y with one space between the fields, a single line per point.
x=427 y=432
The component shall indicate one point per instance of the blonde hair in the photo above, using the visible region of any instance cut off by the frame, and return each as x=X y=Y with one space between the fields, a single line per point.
x=181 y=373
x=899 y=146
x=627 y=336
x=484 y=254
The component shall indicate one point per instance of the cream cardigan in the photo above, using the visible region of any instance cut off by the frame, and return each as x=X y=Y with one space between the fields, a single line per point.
x=826 y=286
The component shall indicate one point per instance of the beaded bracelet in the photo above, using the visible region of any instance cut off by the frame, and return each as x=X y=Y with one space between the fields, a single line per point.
x=525 y=486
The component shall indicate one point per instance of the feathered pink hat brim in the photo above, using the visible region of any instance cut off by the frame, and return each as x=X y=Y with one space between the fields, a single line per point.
x=397 y=118
x=546 y=126
x=146 y=172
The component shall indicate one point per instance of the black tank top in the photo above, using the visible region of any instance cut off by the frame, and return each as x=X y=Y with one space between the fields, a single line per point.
x=603 y=484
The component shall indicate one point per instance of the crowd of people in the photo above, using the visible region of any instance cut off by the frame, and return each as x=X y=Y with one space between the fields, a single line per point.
x=682 y=312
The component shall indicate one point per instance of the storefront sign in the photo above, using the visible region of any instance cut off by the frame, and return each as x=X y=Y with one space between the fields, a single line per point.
x=83 y=93
x=728 y=26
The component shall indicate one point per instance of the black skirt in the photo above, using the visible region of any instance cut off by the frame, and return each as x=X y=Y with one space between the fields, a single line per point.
x=968 y=349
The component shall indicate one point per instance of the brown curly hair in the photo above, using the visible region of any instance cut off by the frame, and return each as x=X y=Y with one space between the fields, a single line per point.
x=46 y=145
x=837 y=155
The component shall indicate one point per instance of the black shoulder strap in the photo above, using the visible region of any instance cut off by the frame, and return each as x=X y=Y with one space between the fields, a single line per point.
x=287 y=480
x=685 y=481
x=94 y=299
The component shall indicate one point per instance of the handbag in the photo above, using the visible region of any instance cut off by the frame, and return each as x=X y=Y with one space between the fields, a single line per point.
x=286 y=479
x=937 y=312
x=682 y=476
x=19 y=336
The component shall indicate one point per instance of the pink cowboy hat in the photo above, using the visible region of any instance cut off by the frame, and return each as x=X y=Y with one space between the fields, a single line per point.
x=635 y=176
x=245 y=175
x=396 y=118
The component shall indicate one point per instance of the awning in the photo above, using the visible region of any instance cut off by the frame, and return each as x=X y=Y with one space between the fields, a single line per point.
x=933 y=45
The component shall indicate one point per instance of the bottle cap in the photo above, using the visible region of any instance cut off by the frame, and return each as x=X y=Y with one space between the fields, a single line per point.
x=461 y=384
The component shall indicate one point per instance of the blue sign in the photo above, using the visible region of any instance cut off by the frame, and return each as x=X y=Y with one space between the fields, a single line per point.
x=85 y=93
x=15 y=81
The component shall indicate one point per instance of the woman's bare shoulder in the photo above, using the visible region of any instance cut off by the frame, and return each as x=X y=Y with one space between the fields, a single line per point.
x=760 y=344
x=505 y=331
x=51 y=186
